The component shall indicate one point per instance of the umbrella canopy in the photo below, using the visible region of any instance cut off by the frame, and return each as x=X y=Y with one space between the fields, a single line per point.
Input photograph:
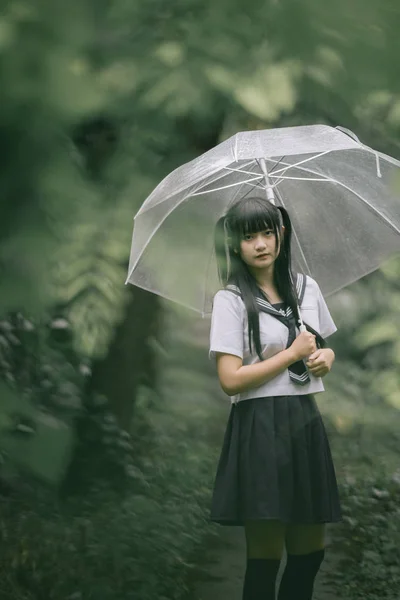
x=343 y=199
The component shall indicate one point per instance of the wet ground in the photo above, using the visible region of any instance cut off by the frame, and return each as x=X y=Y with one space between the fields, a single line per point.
x=221 y=575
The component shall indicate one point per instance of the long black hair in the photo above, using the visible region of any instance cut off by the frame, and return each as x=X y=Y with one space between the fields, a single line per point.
x=251 y=215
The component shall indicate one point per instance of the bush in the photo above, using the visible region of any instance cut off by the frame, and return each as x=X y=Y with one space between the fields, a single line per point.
x=135 y=544
x=372 y=528
x=366 y=461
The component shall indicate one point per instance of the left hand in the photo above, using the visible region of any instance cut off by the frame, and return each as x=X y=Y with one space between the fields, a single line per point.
x=320 y=362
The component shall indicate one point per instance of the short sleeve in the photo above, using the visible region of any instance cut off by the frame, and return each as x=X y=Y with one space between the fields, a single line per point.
x=227 y=319
x=326 y=323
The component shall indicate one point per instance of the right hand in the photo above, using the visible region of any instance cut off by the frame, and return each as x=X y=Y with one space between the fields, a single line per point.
x=304 y=345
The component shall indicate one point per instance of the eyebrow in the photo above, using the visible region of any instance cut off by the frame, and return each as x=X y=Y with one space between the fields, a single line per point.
x=259 y=230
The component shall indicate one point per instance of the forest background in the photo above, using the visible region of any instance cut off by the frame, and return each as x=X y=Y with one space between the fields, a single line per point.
x=111 y=420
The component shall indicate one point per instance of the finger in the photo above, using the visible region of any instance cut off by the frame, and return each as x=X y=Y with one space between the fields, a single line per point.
x=310 y=360
x=314 y=365
x=315 y=354
x=319 y=372
x=318 y=363
x=317 y=367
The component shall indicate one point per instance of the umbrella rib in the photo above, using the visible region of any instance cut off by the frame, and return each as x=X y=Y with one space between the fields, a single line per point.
x=301 y=162
x=272 y=172
x=368 y=204
x=290 y=166
x=239 y=171
x=277 y=164
x=165 y=216
x=373 y=209
x=162 y=221
x=225 y=187
x=152 y=235
x=237 y=192
x=199 y=186
x=205 y=282
x=282 y=178
x=221 y=175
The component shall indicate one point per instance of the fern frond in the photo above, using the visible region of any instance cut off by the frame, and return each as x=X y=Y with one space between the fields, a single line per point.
x=90 y=267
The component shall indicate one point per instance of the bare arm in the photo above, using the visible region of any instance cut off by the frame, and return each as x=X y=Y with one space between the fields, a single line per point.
x=236 y=378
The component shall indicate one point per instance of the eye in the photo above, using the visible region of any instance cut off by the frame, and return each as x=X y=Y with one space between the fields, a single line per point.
x=248 y=236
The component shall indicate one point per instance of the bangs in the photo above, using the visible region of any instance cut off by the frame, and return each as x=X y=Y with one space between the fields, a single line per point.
x=256 y=215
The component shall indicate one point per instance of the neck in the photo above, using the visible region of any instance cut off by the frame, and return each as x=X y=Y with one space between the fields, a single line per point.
x=264 y=278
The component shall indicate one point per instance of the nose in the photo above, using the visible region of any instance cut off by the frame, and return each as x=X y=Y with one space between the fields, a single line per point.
x=260 y=243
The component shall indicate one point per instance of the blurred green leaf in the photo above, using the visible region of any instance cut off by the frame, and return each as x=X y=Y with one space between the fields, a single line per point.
x=378 y=331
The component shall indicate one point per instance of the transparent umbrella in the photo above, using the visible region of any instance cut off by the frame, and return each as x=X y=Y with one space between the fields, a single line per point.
x=342 y=196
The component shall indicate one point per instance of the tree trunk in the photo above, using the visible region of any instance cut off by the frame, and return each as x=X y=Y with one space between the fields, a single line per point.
x=130 y=359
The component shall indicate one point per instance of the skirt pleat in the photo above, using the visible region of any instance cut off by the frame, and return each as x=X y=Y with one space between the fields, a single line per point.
x=275 y=463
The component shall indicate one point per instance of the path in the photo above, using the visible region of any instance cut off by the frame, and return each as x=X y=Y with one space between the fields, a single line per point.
x=221 y=576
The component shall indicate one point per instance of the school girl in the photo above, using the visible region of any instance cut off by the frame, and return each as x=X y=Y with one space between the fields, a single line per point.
x=275 y=476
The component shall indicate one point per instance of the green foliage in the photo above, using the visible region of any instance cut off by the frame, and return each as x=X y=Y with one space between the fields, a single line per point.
x=90 y=275
x=41 y=399
x=35 y=361
x=41 y=94
x=103 y=457
x=360 y=407
x=47 y=417
x=367 y=342
x=372 y=538
x=376 y=332
x=136 y=545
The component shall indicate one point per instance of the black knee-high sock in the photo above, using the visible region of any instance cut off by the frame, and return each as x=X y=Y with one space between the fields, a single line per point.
x=298 y=578
x=260 y=578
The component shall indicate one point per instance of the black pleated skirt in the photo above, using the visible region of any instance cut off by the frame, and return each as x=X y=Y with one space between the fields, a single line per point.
x=276 y=463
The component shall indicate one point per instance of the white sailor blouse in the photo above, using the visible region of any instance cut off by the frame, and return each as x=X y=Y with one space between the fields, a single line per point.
x=229 y=334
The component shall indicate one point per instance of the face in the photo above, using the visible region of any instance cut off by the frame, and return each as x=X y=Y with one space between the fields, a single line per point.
x=259 y=250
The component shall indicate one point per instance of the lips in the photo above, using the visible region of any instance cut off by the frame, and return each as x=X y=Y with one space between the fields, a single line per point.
x=262 y=255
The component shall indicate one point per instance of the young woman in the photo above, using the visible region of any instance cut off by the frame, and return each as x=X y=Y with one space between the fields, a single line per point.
x=275 y=475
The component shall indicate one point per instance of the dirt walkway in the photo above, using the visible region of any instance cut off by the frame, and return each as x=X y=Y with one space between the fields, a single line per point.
x=221 y=577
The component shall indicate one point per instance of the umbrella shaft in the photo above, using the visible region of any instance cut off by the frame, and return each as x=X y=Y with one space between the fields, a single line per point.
x=269 y=189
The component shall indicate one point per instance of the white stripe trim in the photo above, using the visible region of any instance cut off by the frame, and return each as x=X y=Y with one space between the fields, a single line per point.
x=303 y=377
x=266 y=304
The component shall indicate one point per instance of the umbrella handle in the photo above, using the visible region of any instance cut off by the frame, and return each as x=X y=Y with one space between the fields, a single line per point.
x=302 y=327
